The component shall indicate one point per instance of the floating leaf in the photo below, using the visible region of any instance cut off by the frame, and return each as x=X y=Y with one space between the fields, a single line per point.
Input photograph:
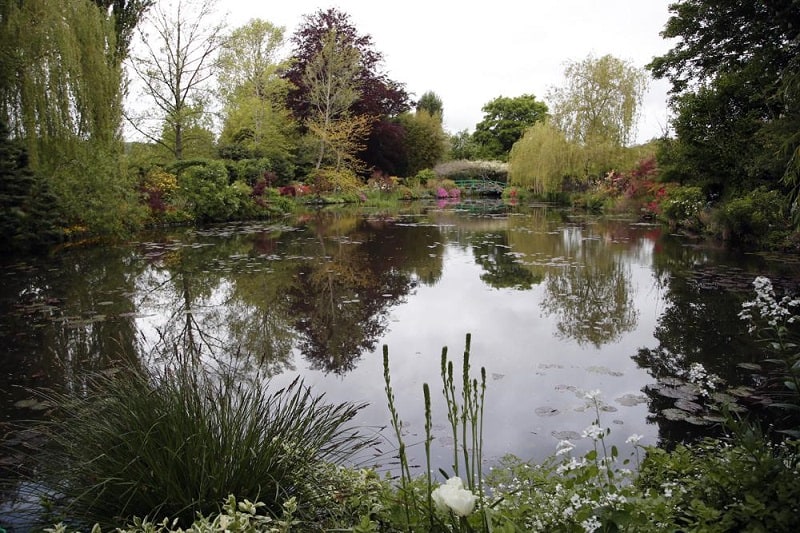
x=547 y=411
x=630 y=400
x=687 y=405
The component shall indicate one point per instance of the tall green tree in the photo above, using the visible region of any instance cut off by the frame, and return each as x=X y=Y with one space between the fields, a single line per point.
x=734 y=70
x=432 y=104
x=175 y=67
x=253 y=93
x=598 y=108
x=504 y=121
x=126 y=15
x=542 y=159
x=425 y=140
x=26 y=204
x=61 y=95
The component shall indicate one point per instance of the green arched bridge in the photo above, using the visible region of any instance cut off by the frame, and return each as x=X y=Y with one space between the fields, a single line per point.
x=481 y=187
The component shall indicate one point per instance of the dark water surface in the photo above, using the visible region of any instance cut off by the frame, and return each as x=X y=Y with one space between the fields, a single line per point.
x=557 y=305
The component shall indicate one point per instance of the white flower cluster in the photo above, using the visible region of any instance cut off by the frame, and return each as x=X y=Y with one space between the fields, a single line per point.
x=452 y=496
x=698 y=375
x=766 y=307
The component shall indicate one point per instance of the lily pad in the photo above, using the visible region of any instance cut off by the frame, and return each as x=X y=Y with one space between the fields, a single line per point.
x=689 y=406
x=566 y=435
x=547 y=411
x=630 y=400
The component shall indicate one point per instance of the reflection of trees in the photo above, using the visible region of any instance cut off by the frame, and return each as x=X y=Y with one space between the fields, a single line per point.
x=67 y=317
x=699 y=324
x=179 y=286
x=340 y=301
x=592 y=301
x=502 y=268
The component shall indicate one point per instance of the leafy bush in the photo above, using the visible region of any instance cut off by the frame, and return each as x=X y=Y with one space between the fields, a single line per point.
x=758 y=217
x=329 y=180
x=745 y=485
x=424 y=176
x=174 y=443
x=683 y=205
x=208 y=195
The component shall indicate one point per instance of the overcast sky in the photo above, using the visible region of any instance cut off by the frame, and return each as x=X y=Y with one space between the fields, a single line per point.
x=471 y=52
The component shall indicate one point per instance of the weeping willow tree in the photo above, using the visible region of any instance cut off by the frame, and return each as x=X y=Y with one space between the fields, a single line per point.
x=598 y=109
x=61 y=84
x=542 y=158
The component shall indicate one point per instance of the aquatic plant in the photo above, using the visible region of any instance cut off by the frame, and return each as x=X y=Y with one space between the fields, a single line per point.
x=173 y=443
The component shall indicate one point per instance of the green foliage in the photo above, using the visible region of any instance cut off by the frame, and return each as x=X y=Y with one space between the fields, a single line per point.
x=424 y=176
x=415 y=508
x=463 y=146
x=207 y=194
x=505 y=120
x=431 y=103
x=737 y=114
x=328 y=180
x=600 y=103
x=745 y=485
x=27 y=214
x=95 y=194
x=424 y=140
x=542 y=159
x=173 y=443
x=775 y=322
x=757 y=218
x=683 y=205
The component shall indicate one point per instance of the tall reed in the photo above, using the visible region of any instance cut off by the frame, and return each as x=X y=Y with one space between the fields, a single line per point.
x=465 y=414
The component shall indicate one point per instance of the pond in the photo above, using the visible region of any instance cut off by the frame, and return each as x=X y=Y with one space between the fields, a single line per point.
x=558 y=304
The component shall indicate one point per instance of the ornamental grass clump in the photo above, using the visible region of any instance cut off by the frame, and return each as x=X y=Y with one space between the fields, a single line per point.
x=175 y=443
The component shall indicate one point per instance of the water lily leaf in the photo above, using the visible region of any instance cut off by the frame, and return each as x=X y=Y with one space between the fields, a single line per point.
x=547 y=411
x=676 y=415
x=750 y=366
x=687 y=405
x=630 y=400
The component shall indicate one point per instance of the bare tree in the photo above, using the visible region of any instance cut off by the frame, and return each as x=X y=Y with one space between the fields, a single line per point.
x=179 y=43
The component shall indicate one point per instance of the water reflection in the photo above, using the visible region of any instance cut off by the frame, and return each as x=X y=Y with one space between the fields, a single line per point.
x=556 y=305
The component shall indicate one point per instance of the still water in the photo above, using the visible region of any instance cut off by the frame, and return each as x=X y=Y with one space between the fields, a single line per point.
x=557 y=304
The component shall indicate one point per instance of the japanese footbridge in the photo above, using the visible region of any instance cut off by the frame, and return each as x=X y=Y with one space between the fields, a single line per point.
x=481 y=187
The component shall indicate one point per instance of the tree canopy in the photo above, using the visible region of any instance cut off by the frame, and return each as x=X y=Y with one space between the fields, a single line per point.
x=378 y=96
x=735 y=75
x=504 y=121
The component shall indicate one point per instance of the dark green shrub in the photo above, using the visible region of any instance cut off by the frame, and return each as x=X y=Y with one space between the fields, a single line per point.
x=757 y=218
x=748 y=485
x=207 y=193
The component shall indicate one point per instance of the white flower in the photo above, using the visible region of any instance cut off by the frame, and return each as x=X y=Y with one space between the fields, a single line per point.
x=594 y=432
x=590 y=524
x=592 y=395
x=564 y=446
x=454 y=497
x=633 y=439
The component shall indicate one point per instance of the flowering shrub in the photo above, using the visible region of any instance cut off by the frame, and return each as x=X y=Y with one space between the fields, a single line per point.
x=682 y=206
x=777 y=322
